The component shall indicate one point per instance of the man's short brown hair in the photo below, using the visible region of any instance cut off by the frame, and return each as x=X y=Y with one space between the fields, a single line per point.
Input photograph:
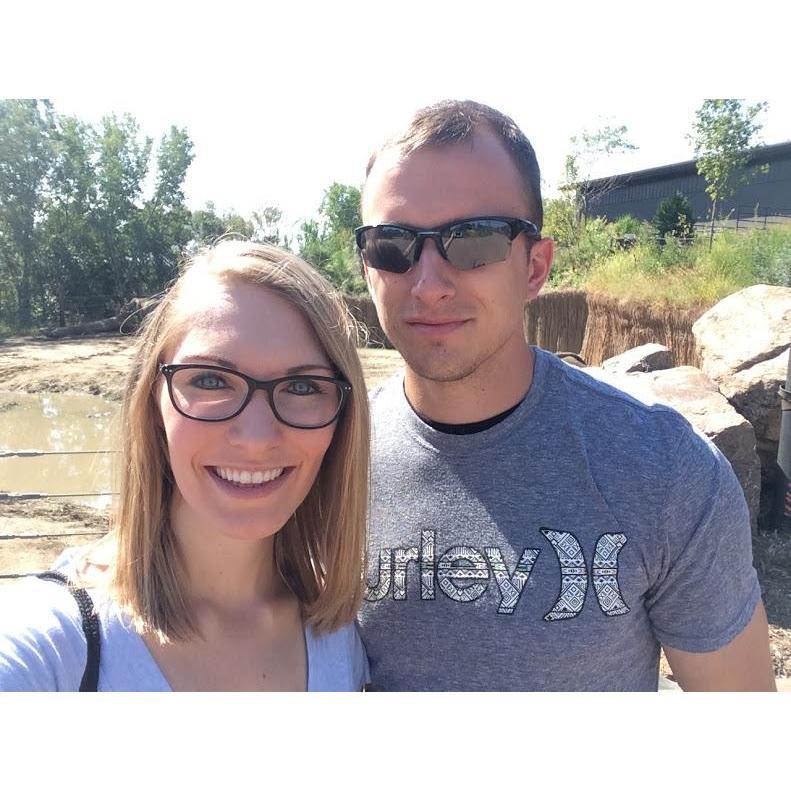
x=452 y=121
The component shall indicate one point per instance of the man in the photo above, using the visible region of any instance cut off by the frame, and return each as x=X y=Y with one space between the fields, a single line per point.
x=531 y=527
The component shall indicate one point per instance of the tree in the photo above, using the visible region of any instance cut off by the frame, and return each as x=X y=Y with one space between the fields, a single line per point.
x=166 y=221
x=587 y=148
x=328 y=244
x=68 y=243
x=723 y=133
x=266 y=227
x=75 y=222
x=207 y=226
x=120 y=172
x=674 y=216
x=25 y=161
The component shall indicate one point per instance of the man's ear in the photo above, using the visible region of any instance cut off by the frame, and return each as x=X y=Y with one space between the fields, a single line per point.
x=368 y=282
x=542 y=252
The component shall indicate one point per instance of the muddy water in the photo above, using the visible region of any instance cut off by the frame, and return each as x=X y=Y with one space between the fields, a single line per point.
x=54 y=422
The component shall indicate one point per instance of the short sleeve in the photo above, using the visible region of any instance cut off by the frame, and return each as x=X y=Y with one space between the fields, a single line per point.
x=337 y=660
x=42 y=645
x=706 y=589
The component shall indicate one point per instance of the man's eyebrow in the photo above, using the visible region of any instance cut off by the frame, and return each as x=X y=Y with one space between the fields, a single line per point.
x=221 y=361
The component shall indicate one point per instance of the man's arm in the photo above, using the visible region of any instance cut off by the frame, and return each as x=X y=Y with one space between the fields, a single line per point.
x=744 y=665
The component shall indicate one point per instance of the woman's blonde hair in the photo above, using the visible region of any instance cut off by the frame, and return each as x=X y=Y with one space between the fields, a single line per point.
x=320 y=550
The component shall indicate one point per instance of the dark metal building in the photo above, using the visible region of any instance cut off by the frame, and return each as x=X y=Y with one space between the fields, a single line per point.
x=640 y=193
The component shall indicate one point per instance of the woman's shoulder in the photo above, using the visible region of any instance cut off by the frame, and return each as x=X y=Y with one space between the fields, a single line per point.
x=337 y=660
x=42 y=644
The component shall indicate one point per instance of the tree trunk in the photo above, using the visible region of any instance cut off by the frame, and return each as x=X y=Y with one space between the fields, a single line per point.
x=711 y=232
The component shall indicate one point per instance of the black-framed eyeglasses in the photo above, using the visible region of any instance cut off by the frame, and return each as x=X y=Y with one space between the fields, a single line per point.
x=212 y=393
x=466 y=244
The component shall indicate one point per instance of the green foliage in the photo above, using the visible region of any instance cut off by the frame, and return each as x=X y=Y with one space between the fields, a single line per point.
x=591 y=242
x=266 y=227
x=328 y=244
x=587 y=148
x=674 y=217
x=627 y=225
x=722 y=135
x=91 y=216
x=686 y=274
x=560 y=221
x=207 y=226
x=78 y=236
x=25 y=159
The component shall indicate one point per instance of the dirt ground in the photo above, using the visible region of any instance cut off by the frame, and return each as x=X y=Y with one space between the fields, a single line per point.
x=33 y=533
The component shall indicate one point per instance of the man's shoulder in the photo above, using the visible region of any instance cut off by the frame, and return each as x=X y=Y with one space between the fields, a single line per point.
x=603 y=401
x=624 y=430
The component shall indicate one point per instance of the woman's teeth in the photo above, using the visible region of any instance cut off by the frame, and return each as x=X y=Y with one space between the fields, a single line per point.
x=248 y=477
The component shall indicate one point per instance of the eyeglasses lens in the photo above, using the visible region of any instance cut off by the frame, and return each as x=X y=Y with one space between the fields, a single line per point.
x=207 y=394
x=389 y=248
x=473 y=244
x=307 y=402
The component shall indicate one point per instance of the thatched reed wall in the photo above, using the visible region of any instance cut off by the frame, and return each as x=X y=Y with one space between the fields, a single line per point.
x=615 y=326
x=556 y=321
x=595 y=326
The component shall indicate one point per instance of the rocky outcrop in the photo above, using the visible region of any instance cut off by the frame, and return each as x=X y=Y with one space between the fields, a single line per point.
x=648 y=357
x=698 y=399
x=743 y=344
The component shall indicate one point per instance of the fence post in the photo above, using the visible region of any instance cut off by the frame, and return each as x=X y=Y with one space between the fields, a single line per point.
x=782 y=509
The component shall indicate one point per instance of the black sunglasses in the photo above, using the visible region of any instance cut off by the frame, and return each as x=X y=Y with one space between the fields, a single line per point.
x=212 y=394
x=465 y=244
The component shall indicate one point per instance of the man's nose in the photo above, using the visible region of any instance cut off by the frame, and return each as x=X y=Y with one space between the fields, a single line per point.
x=433 y=276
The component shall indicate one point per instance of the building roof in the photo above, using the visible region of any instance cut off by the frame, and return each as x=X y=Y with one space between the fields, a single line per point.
x=758 y=156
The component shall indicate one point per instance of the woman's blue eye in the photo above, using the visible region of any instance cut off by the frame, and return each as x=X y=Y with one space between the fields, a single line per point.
x=302 y=387
x=208 y=381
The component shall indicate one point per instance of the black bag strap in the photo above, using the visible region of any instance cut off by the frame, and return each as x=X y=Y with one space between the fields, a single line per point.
x=90 y=627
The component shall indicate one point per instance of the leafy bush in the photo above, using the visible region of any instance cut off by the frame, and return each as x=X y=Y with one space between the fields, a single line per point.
x=560 y=221
x=626 y=224
x=674 y=217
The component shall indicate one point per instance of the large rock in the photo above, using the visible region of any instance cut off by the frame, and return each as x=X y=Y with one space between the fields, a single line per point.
x=698 y=399
x=648 y=357
x=743 y=345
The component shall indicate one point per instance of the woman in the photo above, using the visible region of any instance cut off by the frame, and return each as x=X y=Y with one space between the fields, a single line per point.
x=236 y=558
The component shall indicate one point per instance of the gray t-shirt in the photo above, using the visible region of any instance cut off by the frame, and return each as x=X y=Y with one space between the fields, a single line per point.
x=43 y=648
x=554 y=551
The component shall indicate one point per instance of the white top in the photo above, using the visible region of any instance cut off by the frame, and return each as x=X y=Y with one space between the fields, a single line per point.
x=43 y=647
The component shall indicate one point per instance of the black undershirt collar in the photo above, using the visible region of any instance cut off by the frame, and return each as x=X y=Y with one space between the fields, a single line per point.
x=468 y=428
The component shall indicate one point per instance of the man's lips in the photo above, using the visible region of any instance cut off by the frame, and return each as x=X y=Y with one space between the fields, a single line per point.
x=431 y=326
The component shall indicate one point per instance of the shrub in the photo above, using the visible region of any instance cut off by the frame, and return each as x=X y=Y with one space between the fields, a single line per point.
x=626 y=224
x=674 y=217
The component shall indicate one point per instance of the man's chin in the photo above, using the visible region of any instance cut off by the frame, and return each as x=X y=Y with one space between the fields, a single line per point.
x=441 y=368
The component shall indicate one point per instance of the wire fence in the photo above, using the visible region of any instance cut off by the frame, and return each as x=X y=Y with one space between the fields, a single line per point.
x=744 y=218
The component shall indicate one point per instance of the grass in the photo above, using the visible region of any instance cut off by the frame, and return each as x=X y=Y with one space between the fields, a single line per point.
x=683 y=275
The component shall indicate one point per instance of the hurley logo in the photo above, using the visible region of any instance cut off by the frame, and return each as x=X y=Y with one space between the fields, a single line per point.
x=464 y=573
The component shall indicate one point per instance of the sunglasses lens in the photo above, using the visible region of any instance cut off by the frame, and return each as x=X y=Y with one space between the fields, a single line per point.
x=389 y=248
x=477 y=242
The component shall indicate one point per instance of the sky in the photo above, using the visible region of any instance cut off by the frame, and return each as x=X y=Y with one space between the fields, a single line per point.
x=282 y=99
